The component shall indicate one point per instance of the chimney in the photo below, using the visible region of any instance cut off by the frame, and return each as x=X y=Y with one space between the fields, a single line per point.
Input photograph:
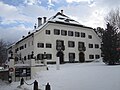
x=28 y=32
x=35 y=26
x=39 y=21
x=61 y=11
x=23 y=36
x=45 y=18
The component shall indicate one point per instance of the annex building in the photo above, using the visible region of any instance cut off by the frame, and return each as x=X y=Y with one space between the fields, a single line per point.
x=59 y=36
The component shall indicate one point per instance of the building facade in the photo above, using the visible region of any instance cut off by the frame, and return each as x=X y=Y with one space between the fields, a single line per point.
x=59 y=36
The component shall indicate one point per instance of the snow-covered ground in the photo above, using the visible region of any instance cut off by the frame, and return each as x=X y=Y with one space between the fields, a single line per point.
x=75 y=76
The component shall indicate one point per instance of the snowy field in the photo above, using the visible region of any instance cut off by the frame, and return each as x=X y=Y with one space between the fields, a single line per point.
x=77 y=76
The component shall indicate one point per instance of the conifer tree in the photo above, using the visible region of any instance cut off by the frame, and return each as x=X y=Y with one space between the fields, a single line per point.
x=109 y=45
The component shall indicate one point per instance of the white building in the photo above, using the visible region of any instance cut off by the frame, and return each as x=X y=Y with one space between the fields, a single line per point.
x=59 y=35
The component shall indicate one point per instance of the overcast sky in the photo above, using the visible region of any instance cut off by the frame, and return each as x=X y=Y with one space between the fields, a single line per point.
x=17 y=17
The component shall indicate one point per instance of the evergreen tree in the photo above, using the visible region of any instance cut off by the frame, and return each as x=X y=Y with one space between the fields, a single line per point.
x=109 y=45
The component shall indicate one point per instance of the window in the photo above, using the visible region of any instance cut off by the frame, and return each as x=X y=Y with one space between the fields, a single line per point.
x=63 y=32
x=96 y=45
x=49 y=56
x=25 y=45
x=70 y=33
x=80 y=44
x=48 y=45
x=40 y=45
x=90 y=45
x=97 y=56
x=60 y=45
x=48 y=32
x=56 y=31
x=82 y=34
x=77 y=34
x=21 y=47
x=25 y=58
x=40 y=57
x=28 y=43
x=91 y=56
x=71 y=44
x=71 y=57
x=90 y=36
x=16 y=50
x=32 y=42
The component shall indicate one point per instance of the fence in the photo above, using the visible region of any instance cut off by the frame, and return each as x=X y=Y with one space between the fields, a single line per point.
x=35 y=86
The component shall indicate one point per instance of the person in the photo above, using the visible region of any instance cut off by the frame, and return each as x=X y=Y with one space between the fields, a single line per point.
x=47 y=87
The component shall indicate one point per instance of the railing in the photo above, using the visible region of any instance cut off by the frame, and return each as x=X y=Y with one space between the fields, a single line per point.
x=35 y=86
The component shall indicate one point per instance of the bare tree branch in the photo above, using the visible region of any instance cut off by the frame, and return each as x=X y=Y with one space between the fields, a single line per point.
x=113 y=18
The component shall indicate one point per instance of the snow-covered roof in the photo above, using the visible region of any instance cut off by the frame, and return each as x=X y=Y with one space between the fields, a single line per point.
x=60 y=17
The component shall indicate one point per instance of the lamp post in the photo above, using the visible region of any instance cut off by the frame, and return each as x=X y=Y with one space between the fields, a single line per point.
x=32 y=55
x=45 y=57
x=11 y=67
x=59 y=48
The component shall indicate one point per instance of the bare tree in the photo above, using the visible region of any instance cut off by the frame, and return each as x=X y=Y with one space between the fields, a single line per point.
x=3 y=50
x=113 y=18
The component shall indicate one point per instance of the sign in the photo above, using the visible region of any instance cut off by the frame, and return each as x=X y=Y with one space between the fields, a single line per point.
x=11 y=69
x=22 y=72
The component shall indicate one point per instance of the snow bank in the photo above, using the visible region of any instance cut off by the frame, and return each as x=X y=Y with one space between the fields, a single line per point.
x=77 y=76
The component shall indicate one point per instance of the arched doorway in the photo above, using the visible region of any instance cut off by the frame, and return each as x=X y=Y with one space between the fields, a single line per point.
x=81 y=57
x=60 y=54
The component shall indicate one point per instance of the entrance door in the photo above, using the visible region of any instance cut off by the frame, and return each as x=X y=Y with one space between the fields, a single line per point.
x=81 y=57
x=71 y=57
x=60 y=54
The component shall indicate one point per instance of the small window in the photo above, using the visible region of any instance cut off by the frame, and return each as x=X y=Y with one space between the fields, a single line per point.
x=70 y=33
x=49 y=56
x=90 y=36
x=81 y=44
x=91 y=56
x=32 y=43
x=96 y=45
x=40 y=45
x=97 y=56
x=28 y=43
x=25 y=58
x=82 y=34
x=56 y=31
x=63 y=32
x=21 y=47
x=25 y=45
x=77 y=34
x=71 y=44
x=90 y=45
x=16 y=50
x=48 y=45
x=48 y=32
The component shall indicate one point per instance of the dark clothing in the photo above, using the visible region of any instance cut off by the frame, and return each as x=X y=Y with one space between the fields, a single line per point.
x=47 y=87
